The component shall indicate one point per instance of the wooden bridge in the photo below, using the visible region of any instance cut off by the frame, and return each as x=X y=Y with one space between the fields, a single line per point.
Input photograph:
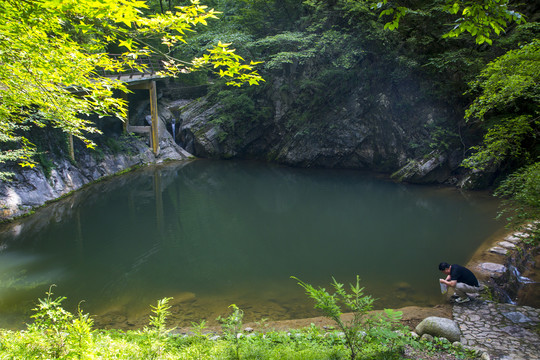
x=135 y=80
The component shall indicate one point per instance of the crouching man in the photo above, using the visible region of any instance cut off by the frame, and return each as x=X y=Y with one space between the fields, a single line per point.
x=461 y=279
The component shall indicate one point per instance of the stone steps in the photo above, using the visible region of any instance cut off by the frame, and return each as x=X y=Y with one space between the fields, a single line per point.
x=504 y=331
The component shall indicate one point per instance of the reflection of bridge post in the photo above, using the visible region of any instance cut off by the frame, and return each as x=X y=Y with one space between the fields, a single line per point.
x=79 y=237
x=159 y=200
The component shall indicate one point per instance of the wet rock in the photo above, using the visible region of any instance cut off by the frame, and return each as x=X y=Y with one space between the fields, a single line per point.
x=498 y=250
x=507 y=244
x=512 y=238
x=439 y=327
x=493 y=268
x=522 y=235
x=516 y=317
x=431 y=169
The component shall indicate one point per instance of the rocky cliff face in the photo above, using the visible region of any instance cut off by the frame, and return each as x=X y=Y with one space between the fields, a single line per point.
x=379 y=128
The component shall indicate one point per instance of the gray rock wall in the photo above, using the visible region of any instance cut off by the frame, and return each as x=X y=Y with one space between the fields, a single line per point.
x=31 y=187
x=363 y=130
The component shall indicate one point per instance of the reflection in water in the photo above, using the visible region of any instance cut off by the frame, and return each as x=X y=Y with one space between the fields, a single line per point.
x=213 y=233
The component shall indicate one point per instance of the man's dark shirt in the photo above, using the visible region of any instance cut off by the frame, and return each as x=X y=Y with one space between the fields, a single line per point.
x=463 y=275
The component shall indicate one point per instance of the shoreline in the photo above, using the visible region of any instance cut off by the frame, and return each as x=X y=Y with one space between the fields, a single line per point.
x=412 y=315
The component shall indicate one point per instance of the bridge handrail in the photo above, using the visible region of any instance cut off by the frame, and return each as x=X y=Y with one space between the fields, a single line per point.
x=151 y=65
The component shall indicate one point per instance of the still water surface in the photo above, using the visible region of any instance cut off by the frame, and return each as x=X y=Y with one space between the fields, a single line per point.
x=213 y=233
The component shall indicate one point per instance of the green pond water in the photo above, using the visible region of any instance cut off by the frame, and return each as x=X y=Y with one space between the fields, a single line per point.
x=213 y=233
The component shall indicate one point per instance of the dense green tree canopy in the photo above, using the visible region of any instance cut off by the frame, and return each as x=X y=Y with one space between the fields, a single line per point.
x=51 y=52
x=507 y=104
x=508 y=98
x=479 y=18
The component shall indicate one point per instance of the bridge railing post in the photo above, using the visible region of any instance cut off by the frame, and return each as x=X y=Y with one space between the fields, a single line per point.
x=154 y=113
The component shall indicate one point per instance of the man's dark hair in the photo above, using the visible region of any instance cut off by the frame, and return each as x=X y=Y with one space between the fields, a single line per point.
x=443 y=266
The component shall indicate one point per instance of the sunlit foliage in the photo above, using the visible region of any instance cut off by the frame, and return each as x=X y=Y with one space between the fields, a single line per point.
x=479 y=18
x=53 y=54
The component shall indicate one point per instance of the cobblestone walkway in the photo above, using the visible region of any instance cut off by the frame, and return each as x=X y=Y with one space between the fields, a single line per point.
x=504 y=331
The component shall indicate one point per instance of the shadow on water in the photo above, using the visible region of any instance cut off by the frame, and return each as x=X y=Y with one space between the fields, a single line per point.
x=212 y=233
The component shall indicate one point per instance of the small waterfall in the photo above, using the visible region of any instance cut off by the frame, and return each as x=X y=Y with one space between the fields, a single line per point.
x=174 y=129
x=521 y=279
x=505 y=298
x=507 y=287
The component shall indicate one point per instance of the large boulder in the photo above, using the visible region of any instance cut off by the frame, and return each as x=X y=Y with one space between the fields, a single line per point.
x=439 y=327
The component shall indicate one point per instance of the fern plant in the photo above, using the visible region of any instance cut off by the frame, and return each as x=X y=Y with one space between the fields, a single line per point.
x=362 y=328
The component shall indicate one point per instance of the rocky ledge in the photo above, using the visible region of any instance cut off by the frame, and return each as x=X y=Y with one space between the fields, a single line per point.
x=31 y=188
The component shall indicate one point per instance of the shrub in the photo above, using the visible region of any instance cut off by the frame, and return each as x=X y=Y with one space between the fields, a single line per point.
x=362 y=328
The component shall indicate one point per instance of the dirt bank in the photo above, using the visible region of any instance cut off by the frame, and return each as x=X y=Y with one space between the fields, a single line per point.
x=412 y=315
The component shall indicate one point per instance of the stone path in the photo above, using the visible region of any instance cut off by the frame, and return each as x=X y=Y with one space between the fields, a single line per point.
x=504 y=331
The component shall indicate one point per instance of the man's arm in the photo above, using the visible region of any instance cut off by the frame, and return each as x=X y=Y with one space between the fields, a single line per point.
x=448 y=282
